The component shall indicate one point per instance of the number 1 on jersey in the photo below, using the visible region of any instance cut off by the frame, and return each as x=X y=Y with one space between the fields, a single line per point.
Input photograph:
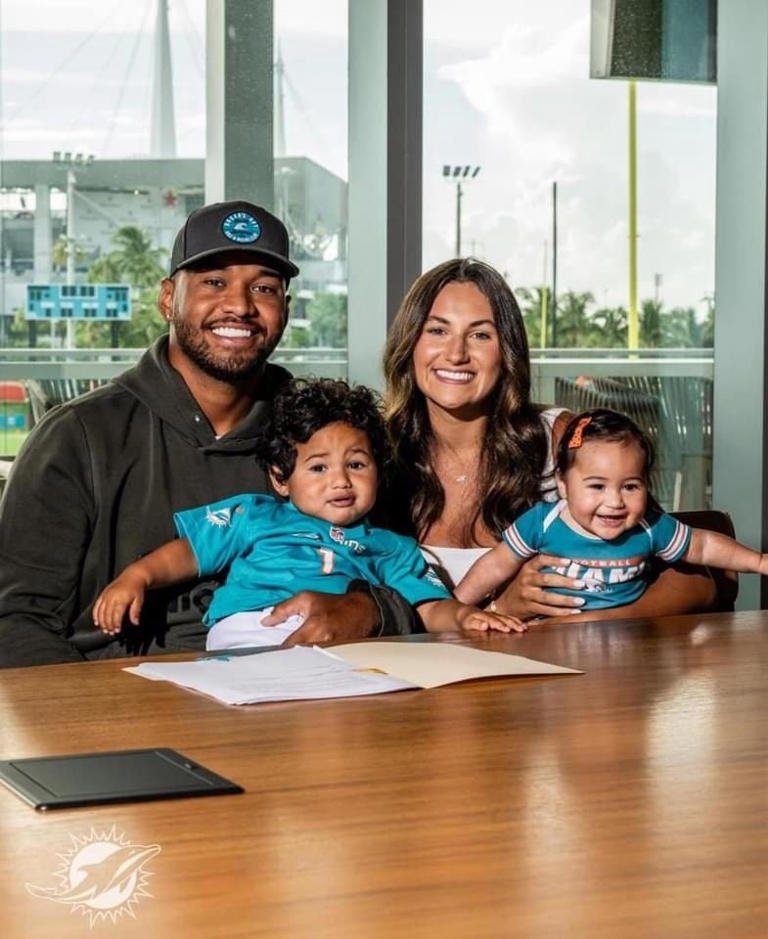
x=328 y=558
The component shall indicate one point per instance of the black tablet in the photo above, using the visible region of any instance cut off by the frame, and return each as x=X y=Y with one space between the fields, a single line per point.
x=57 y=782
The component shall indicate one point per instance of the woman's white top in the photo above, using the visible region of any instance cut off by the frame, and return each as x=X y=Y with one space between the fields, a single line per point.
x=452 y=564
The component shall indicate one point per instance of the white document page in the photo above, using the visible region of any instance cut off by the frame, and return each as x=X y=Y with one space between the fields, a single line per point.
x=283 y=675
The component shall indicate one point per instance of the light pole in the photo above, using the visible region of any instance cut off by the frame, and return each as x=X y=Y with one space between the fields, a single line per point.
x=633 y=330
x=459 y=174
x=70 y=161
x=553 y=299
x=71 y=180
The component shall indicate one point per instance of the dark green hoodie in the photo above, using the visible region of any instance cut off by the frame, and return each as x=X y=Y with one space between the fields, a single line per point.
x=94 y=487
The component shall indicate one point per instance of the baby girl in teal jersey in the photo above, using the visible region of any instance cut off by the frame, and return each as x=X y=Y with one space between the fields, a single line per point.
x=603 y=528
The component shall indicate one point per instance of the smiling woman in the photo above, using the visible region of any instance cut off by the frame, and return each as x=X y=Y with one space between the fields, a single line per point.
x=471 y=452
x=470 y=447
x=457 y=357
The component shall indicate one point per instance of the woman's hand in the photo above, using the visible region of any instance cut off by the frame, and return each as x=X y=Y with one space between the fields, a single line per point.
x=526 y=595
x=677 y=590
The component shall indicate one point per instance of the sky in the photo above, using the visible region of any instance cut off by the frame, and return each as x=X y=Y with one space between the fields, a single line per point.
x=507 y=89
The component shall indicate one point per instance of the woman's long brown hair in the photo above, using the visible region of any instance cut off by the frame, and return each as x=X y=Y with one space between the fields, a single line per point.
x=514 y=452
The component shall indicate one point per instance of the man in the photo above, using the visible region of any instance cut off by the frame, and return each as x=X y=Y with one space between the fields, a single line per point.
x=98 y=480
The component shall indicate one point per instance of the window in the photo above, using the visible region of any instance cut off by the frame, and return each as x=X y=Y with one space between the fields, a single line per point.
x=509 y=91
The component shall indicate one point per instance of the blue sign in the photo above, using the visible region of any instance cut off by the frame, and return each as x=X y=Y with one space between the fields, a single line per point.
x=13 y=422
x=78 y=302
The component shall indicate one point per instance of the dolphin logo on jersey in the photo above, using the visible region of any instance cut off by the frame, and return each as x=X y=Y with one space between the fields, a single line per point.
x=219 y=517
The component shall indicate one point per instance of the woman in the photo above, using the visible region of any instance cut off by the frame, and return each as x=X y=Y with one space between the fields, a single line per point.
x=470 y=449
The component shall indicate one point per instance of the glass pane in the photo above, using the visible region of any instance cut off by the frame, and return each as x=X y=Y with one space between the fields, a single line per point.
x=104 y=136
x=310 y=134
x=103 y=123
x=508 y=90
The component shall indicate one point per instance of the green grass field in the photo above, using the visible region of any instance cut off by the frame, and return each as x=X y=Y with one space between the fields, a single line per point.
x=10 y=441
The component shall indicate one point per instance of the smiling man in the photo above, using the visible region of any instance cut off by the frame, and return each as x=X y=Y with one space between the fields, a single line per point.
x=98 y=480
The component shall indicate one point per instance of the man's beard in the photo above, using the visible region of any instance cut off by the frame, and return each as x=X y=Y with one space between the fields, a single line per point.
x=227 y=368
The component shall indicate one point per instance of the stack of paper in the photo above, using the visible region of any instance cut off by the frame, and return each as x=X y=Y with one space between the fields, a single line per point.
x=360 y=668
x=283 y=675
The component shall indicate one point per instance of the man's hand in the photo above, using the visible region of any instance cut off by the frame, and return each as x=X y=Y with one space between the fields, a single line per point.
x=526 y=595
x=327 y=617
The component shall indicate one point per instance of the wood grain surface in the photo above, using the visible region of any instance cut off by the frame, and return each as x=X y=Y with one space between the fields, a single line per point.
x=631 y=801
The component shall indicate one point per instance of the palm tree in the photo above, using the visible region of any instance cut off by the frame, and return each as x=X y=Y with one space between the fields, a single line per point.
x=327 y=314
x=530 y=301
x=134 y=260
x=612 y=323
x=60 y=253
x=651 y=333
x=680 y=329
x=575 y=325
x=708 y=326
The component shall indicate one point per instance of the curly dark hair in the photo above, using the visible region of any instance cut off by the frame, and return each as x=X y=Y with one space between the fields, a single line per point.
x=304 y=406
x=515 y=448
x=601 y=424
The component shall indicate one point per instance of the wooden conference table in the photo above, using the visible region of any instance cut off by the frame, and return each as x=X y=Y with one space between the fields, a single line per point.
x=631 y=801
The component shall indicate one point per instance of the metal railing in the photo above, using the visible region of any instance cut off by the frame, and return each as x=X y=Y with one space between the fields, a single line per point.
x=547 y=364
x=559 y=376
x=102 y=364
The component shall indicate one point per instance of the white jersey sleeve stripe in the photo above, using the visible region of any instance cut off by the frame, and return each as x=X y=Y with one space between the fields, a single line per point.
x=517 y=543
x=677 y=543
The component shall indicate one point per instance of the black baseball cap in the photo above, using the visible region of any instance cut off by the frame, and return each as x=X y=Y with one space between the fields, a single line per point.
x=232 y=226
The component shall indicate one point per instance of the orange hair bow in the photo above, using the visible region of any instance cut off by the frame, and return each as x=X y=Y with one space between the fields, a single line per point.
x=577 y=437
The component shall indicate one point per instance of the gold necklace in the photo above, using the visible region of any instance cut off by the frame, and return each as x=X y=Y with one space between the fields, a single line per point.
x=465 y=474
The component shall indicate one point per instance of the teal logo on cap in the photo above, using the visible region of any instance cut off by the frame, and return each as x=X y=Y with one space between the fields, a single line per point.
x=241 y=227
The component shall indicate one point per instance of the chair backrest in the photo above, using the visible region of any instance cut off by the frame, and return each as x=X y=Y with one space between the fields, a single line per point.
x=5 y=469
x=643 y=407
x=726 y=582
x=46 y=393
x=675 y=412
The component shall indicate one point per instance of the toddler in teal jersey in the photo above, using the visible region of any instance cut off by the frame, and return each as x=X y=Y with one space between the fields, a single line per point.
x=322 y=447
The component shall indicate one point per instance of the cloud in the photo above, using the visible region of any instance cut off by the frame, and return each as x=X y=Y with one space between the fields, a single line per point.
x=328 y=18
x=677 y=101
x=525 y=57
x=529 y=113
x=87 y=17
